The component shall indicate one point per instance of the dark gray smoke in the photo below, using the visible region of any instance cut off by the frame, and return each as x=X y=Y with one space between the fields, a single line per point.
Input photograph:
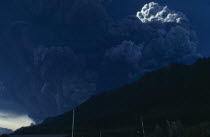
x=160 y=37
x=56 y=54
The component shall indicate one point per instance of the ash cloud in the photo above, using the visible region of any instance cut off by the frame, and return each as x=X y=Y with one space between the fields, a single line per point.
x=50 y=60
x=84 y=52
x=153 y=12
x=156 y=38
x=64 y=81
x=127 y=50
x=67 y=76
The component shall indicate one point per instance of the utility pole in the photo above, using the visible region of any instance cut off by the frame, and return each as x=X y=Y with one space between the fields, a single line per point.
x=100 y=134
x=73 y=124
x=142 y=124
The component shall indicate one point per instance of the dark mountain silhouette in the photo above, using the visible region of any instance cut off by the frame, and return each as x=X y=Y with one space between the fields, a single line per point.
x=4 y=130
x=173 y=98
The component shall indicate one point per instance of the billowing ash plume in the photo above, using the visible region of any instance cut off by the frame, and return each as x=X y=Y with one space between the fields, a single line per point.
x=127 y=50
x=158 y=37
x=52 y=59
x=68 y=78
x=84 y=52
x=63 y=80
x=153 y=12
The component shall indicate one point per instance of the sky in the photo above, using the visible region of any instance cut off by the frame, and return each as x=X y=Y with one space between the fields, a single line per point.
x=55 y=55
x=14 y=121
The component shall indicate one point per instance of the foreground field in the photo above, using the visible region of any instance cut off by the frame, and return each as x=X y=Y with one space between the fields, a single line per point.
x=37 y=136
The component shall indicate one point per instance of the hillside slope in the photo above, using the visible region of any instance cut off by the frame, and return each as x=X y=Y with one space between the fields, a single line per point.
x=176 y=93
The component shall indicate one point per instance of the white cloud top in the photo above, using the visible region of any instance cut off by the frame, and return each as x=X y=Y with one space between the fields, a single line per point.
x=153 y=12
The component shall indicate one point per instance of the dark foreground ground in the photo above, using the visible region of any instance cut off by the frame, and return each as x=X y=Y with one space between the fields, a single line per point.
x=37 y=136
